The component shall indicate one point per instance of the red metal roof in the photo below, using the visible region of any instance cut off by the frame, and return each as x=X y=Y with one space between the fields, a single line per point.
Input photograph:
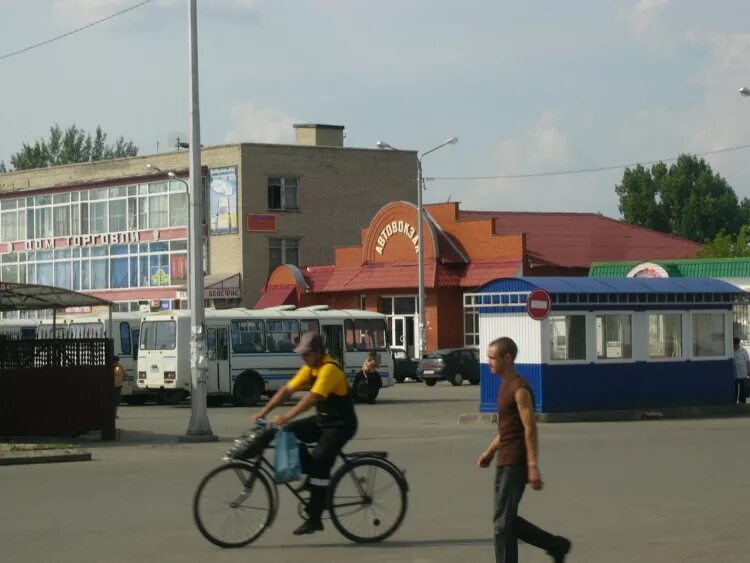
x=278 y=295
x=480 y=273
x=578 y=239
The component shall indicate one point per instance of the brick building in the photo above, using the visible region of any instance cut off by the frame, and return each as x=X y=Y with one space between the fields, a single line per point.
x=463 y=251
x=118 y=230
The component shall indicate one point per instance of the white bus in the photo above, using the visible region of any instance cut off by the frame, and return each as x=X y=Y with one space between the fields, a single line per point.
x=251 y=352
x=125 y=335
x=18 y=329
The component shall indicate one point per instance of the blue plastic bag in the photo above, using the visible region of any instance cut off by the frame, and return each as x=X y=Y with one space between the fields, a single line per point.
x=287 y=463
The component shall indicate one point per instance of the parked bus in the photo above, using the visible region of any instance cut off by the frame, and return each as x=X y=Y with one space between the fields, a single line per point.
x=251 y=352
x=125 y=334
x=18 y=329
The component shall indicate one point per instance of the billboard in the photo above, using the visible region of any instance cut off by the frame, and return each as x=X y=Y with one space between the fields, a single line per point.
x=222 y=194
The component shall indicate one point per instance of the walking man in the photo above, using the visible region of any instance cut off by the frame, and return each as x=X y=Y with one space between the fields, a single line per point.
x=741 y=365
x=516 y=447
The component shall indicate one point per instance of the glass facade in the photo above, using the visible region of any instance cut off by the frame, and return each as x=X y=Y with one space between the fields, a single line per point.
x=101 y=226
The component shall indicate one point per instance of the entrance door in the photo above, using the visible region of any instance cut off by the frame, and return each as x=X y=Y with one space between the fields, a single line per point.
x=219 y=377
x=402 y=334
x=334 y=340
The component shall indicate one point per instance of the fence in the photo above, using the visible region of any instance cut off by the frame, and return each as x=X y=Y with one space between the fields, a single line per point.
x=56 y=387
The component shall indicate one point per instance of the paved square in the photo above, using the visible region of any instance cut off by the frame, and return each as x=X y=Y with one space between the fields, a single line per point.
x=660 y=491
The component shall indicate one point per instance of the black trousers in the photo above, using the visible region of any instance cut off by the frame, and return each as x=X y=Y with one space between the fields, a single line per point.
x=740 y=390
x=317 y=463
x=510 y=482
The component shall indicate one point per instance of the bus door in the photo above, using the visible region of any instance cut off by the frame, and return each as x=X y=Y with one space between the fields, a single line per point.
x=219 y=372
x=334 y=340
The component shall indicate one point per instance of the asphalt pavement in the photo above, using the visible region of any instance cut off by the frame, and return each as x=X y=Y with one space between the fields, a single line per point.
x=651 y=491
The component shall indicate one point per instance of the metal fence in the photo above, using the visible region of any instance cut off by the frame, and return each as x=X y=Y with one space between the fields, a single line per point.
x=56 y=387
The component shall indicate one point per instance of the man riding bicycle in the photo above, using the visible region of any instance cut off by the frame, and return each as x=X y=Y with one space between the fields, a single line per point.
x=333 y=426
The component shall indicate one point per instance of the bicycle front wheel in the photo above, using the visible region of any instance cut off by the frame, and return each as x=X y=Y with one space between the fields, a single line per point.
x=368 y=500
x=234 y=505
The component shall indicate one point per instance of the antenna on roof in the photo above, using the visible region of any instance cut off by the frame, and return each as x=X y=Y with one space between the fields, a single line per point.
x=449 y=198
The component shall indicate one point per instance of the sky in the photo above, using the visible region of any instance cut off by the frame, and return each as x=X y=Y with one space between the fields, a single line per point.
x=527 y=87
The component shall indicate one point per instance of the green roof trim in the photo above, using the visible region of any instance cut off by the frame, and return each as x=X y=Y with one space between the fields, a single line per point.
x=691 y=268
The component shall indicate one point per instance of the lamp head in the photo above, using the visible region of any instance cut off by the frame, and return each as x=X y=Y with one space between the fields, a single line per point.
x=384 y=145
x=745 y=91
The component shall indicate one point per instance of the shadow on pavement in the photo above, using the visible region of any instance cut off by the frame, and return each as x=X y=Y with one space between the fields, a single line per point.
x=398 y=544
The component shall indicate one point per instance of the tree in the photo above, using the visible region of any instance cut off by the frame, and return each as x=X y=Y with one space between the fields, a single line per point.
x=70 y=146
x=727 y=246
x=686 y=199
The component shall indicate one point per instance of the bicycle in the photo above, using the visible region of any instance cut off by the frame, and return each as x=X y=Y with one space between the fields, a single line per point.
x=238 y=501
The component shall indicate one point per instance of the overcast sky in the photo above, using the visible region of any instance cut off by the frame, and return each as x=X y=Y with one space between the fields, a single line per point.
x=527 y=86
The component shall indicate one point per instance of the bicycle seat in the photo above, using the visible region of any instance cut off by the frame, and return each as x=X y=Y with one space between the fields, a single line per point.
x=355 y=455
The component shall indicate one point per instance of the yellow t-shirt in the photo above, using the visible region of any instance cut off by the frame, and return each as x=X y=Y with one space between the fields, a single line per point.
x=328 y=378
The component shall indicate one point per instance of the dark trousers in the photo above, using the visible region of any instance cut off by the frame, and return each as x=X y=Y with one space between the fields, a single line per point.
x=317 y=463
x=510 y=482
x=740 y=390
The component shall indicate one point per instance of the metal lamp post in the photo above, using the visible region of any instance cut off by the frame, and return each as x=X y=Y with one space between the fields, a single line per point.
x=420 y=249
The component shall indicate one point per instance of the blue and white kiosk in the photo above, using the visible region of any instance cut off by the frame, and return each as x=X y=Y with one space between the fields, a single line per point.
x=588 y=344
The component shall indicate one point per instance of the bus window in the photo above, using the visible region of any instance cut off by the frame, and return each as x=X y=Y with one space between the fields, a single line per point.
x=28 y=332
x=86 y=330
x=159 y=335
x=369 y=335
x=126 y=344
x=282 y=335
x=350 y=337
x=248 y=337
x=309 y=326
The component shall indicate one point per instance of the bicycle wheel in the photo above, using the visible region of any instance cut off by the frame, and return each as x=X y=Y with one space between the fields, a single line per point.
x=234 y=505
x=368 y=500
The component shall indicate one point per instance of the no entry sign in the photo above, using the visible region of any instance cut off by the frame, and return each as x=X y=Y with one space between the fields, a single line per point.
x=539 y=304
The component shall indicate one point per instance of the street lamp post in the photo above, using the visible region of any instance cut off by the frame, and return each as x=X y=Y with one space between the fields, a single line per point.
x=420 y=248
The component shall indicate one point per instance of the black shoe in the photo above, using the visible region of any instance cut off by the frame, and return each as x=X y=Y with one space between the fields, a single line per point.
x=309 y=527
x=562 y=549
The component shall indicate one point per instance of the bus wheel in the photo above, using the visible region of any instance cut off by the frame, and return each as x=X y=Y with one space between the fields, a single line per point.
x=247 y=391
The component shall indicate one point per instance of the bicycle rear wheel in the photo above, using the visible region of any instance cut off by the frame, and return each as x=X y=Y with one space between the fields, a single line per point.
x=368 y=500
x=234 y=505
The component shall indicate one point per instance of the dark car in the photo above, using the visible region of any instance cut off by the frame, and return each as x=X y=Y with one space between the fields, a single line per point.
x=403 y=367
x=454 y=365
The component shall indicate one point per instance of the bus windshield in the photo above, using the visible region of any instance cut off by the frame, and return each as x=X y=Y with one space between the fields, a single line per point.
x=158 y=335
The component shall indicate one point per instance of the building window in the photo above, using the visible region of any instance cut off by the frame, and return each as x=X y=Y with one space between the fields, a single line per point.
x=471 y=328
x=708 y=335
x=283 y=193
x=614 y=337
x=567 y=337
x=665 y=335
x=282 y=251
x=363 y=302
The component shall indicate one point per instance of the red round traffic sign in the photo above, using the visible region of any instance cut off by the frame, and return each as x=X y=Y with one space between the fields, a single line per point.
x=539 y=304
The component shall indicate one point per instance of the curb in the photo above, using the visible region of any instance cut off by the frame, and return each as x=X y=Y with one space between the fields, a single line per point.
x=716 y=411
x=197 y=438
x=44 y=456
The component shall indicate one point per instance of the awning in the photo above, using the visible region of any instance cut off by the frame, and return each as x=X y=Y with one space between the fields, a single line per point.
x=277 y=296
x=218 y=286
x=29 y=297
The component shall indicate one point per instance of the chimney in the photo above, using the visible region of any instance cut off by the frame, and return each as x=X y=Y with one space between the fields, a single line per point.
x=318 y=135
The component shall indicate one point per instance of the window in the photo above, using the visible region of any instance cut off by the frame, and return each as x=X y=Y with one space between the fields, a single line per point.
x=365 y=335
x=708 y=335
x=282 y=336
x=309 y=326
x=126 y=343
x=282 y=251
x=363 y=302
x=471 y=327
x=99 y=223
x=665 y=335
x=614 y=338
x=62 y=220
x=248 y=337
x=283 y=193
x=158 y=335
x=44 y=223
x=158 y=211
x=568 y=337
x=9 y=226
x=118 y=210
x=178 y=209
x=86 y=330
x=132 y=214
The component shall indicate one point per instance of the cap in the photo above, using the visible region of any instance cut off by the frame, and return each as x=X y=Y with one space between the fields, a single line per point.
x=310 y=341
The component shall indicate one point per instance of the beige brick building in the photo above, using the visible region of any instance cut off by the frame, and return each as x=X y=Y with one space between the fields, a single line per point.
x=118 y=229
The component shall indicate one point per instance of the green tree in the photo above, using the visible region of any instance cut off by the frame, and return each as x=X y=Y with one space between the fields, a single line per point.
x=686 y=199
x=725 y=245
x=70 y=146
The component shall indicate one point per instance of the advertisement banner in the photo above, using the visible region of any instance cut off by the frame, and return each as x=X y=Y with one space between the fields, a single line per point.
x=222 y=194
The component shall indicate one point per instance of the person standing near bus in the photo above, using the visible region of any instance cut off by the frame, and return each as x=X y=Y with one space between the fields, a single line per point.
x=333 y=426
x=741 y=365
x=121 y=374
x=516 y=448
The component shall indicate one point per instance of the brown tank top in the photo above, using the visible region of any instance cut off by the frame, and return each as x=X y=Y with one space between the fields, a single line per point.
x=512 y=443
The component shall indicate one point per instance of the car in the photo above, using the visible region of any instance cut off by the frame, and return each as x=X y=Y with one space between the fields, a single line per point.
x=454 y=365
x=403 y=367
